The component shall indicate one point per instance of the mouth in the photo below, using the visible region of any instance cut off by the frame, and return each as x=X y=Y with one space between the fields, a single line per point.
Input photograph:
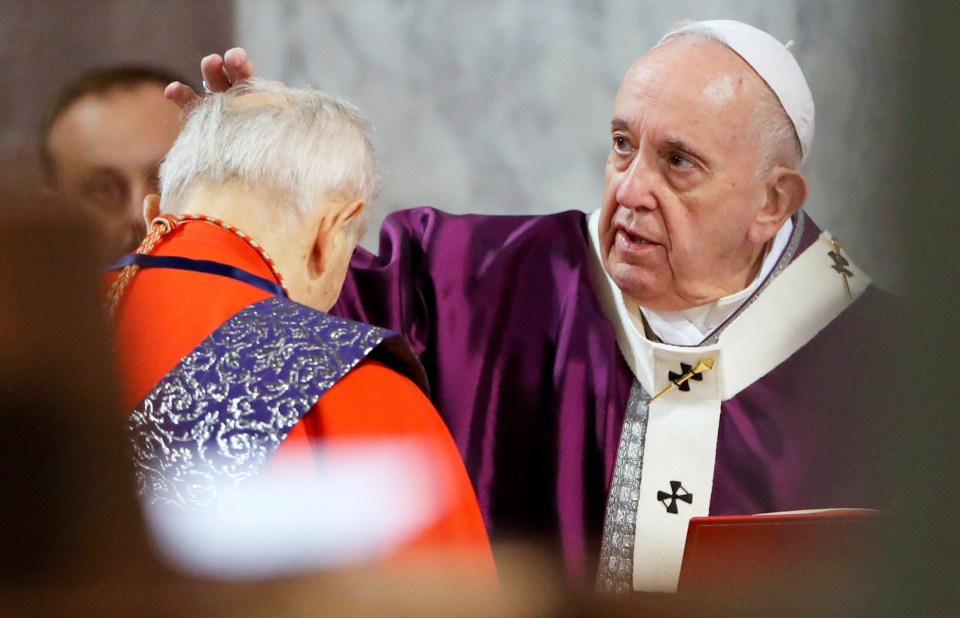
x=634 y=243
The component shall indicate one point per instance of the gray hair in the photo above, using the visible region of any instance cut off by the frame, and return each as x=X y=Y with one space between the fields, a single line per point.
x=772 y=126
x=296 y=145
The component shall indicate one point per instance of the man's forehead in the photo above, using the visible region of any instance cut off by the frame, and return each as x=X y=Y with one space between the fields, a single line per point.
x=686 y=59
x=101 y=129
x=119 y=95
x=704 y=77
x=142 y=103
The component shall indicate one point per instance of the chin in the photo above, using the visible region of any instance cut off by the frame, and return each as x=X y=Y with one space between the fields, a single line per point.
x=635 y=288
x=649 y=294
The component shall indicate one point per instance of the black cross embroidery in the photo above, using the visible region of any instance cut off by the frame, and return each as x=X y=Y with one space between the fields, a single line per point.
x=840 y=264
x=675 y=488
x=684 y=370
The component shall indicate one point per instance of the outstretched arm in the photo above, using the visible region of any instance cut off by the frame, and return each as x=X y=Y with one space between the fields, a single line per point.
x=219 y=73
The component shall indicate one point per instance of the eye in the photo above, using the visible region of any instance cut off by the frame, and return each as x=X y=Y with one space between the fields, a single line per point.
x=106 y=193
x=679 y=161
x=621 y=145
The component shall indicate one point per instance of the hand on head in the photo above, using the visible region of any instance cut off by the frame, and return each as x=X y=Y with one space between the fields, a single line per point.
x=219 y=74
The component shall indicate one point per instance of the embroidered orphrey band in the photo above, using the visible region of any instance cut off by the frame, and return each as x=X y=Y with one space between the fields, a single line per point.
x=619 y=525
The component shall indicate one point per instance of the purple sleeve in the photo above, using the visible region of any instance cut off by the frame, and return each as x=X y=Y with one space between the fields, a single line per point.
x=523 y=366
x=387 y=289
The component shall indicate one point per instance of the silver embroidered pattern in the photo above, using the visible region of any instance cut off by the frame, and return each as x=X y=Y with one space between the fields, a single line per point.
x=218 y=416
x=619 y=525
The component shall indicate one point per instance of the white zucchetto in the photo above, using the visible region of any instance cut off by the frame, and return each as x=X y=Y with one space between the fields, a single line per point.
x=773 y=62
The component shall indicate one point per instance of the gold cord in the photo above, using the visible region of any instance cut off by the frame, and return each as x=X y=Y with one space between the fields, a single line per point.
x=159 y=227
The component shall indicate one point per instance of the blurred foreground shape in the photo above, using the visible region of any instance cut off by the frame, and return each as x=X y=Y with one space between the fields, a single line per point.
x=68 y=516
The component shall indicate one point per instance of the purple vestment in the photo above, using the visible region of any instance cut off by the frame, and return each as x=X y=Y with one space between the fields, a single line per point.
x=525 y=369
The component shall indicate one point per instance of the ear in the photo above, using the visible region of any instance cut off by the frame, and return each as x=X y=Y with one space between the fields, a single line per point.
x=348 y=218
x=335 y=234
x=786 y=193
x=151 y=208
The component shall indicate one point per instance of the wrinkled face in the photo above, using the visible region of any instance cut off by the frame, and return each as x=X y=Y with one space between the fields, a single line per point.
x=106 y=152
x=681 y=193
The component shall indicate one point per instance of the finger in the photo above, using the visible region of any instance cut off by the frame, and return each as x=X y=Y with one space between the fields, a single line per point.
x=237 y=65
x=180 y=94
x=211 y=67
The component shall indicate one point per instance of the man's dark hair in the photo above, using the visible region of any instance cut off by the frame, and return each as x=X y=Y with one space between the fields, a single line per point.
x=98 y=81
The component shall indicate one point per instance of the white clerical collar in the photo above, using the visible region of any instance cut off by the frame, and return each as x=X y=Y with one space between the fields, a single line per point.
x=692 y=326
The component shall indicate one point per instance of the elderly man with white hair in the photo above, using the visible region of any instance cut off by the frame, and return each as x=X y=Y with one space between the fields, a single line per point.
x=697 y=346
x=229 y=361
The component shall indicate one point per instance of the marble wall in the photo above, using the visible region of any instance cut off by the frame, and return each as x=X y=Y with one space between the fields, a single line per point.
x=503 y=106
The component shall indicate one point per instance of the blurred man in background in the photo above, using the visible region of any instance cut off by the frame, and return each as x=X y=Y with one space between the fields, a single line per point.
x=101 y=143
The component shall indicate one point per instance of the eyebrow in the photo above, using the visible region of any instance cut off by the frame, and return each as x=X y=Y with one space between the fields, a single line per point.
x=678 y=144
x=619 y=124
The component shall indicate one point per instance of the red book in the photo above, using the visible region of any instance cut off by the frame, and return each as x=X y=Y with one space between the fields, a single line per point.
x=831 y=547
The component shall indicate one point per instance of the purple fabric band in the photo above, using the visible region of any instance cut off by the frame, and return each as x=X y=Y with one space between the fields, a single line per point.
x=216 y=418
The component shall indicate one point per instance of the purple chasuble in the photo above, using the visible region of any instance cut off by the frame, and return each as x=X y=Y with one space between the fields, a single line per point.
x=525 y=370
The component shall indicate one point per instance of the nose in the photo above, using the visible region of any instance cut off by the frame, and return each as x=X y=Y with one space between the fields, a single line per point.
x=637 y=189
x=135 y=203
x=143 y=184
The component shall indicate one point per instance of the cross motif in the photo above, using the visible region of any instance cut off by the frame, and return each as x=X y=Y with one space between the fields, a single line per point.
x=679 y=380
x=673 y=496
x=840 y=264
x=684 y=370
